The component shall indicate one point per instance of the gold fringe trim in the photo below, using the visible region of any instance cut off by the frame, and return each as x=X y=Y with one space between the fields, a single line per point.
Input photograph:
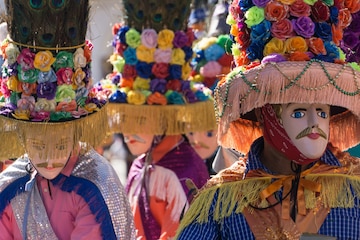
x=235 y=196
x=285 y=82
x=91 y=129
x=159 y=120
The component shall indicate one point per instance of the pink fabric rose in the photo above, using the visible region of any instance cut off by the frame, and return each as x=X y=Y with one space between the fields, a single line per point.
x=211 y=69
x=26 y=59
x=162 y=55
x=282 y=29
x=299 y=9
x=64 y=76
x=149 y=38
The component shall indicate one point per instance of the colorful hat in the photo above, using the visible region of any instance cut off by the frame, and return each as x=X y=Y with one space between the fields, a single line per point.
x=46 y=80
x=148 y=90
x=291 y=51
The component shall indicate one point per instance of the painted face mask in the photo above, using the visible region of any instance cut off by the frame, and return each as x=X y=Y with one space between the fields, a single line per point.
x=138 y=143
x=204 y=143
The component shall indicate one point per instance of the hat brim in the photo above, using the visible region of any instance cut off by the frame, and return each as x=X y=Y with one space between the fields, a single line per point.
x=288 y=82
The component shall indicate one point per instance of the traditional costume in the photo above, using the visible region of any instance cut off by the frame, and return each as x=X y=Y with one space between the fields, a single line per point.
x=286 y=52
x=150 y=94
x=60 y=188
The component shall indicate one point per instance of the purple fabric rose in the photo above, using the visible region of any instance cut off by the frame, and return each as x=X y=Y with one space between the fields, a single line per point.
x=261 y=3
x=46 y=90
x=158 y=85
x=274 y=57
x=350 y=39
x=303 y=26
x=190 y=96
x=49 y=76
x=180 y=39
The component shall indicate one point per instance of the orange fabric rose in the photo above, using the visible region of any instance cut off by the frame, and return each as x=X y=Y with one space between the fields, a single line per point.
x=298 y=56
x=344 y=18
x=352 y=5
x=156 y=98
x=337 y=34
x=126 y=82
x=275 y=11
x=66 y=106
x=316 y=46
x=296 y=44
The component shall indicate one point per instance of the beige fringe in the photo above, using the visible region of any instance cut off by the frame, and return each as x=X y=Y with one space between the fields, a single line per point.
x=235 y=196
x=91 y=129
x=158 y=120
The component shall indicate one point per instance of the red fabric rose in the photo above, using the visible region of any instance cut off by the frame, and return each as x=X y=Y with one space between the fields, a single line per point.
x=209 y=81
x=116 y=28
x=160 y=70
x=352 y=5
x=316 y=45
x=174 y=85
x=282 y=29
x=300 y=9
x=64 y=76
x=129 y=71
x=337 y=34
x=276 y=11
x=120 y=48
x=243 y=37
x=225 y=60
x=320 y=12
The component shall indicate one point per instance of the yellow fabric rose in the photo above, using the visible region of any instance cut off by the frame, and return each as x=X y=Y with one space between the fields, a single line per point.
x=77 y=79
x=125 y=89
x=43 y=104
x=136 y=98
x=296 y=44
x=145 y=54
x=43 y=60
x=165 y=38
x=91 y=107
x=117 y=62
x=186 y=70
x=13 y=84
x=205 y=43
x=198 y=78
x=287 y=2
x=275 y=45
x=141 y=84
x=21 y=114
x=177 y=56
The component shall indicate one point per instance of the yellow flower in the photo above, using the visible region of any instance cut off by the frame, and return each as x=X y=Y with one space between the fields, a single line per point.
x=117 y=61
x=205 y=43
x=91 y=107
x=145 y=54
x=43 y=60
x=296 y=44
x=287 y=2
x=136 y=97
x=275 y=45
x=77 y=79
x=13 y=84
x=177 y=56
x=186 y=70
x=198 y=78
x=79 y=58
x=165 y=38
x=141 y=84
x=21 y=114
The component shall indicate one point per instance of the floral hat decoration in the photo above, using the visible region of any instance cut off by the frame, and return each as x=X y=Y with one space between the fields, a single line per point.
x=212 y=61
x=46 y=78
x=287 y=51
x=149 y=89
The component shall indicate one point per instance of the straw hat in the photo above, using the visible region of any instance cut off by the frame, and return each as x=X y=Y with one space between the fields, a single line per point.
x=289 y=51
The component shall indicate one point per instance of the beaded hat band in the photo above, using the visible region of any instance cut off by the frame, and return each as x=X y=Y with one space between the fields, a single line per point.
x=311 y=81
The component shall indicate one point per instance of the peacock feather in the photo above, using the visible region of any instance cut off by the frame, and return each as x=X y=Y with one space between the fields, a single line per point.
x=65 y=22
x=169 y=14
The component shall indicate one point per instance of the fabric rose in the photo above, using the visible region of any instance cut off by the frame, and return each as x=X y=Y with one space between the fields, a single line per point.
x=66 y=106
x=58 y=116
x=143 y=69
x=303 y=26
x=149 y=38
x=332 y=53
x=21 y=114
x=43 y=104
x=79 y=58
x=120 y=48
x=64 y=76
x=130 y=56
x=29 y=76
x=129 y=71
x=136 y=97
x=344 y=17
x=79 y=112
x=260 y=3
x=177 y=56
x=121 y=34
x=63 y=59
x=245 y=5
x=174 y=85
x=174 y=97
x=11 y=52
x=78 y=77
x=26 y=59
x=206 y=43
x=273 y=57
x=28 y=89
x=282 y=29
x=211 y=69
x=276 y=11
x=296 y=44
x=334 y=15
x=118 y=97
x=81 y=95
x=186 y=70
x=88 y=48
x=126 y=82
x=337 y=34
x=188 y=52
x=287 y=2
x=320 y=12
x=91 y=107
x=355 y=23
x=141 y=84
x=353 y=6
x=329 y=2
x=316 y=45
x=323 y=31
x=260 y=32
x=160 y=70
x=213 y=52
x=46 y=90
x=310 y=2
x=180 y=39
x=255 y=51
x=145 y=54
x=254 y=15
x=191 y=37
x=165 y=39
x=156 y=99
x=13 y=84
x=65 y=93
x=158 y=85
x=243 y=38
x=26 y=103
x=299 y=9
x=49 y=76
x=175 y=71
x=117 y=62
x=43 y=60
x=275 y=45
x=132 y=38
x=350 y=39
x=40 y=116
x=163 y=55
x=298 y=56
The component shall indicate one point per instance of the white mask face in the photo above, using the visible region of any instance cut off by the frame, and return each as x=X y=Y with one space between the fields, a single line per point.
x=138 y=143
x=49 y=152
x=307 y=125
x=204 y=143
